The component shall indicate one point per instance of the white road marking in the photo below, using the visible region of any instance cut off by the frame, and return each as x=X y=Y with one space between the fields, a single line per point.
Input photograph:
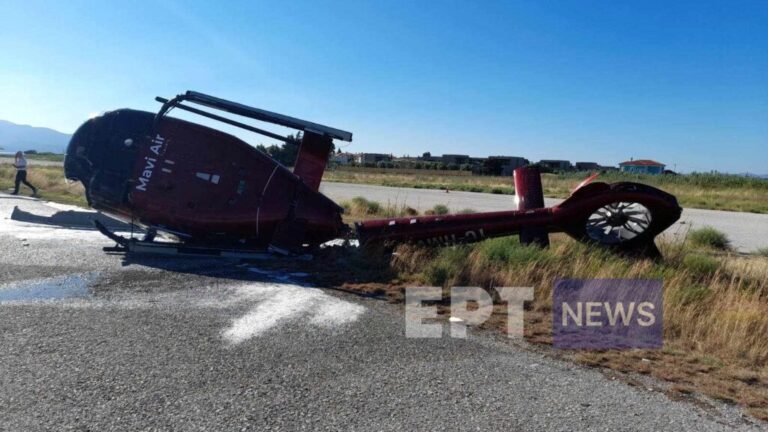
x=278 y=303
x=272 y=304
x=29 y=231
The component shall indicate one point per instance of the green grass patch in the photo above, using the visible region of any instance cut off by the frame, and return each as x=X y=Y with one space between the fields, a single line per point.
x=446 y=265
x=690 y=294
x=440 y=209
x=709 y=237
x=701 y=265
x=509 y=251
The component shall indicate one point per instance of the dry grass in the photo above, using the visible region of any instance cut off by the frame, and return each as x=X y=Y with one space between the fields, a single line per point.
x=715 y=314
x=360 y=208
x=721 y=308
x=50 y=182
x=718 y=192
x=715 y=303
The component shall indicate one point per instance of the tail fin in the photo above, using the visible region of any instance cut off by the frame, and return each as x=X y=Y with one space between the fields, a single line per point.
x=312 y=158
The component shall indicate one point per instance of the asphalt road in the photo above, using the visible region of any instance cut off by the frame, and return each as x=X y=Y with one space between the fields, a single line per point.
x=91 y=341
x=747 y=231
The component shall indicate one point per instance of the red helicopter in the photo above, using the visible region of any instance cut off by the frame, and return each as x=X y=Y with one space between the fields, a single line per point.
x=219 y=195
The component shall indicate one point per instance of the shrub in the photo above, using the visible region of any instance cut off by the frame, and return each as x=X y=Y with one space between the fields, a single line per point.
x=762 y=252
x=701 y=265
x=446 y=265
x=437 y=274
x=709 y=237
x=440 y=209
x=362 y=206
x=508 y=250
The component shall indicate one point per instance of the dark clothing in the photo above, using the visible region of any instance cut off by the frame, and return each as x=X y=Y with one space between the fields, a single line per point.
x=21 y=177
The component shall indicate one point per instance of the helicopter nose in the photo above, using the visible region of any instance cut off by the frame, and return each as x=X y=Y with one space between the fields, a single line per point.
x=76 y=166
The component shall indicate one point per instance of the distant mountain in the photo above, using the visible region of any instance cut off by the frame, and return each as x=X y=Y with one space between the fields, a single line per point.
x=15 y=137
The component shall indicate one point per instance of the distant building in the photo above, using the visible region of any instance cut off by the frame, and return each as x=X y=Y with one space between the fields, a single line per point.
x=608 y=168
x=556 y=165
x=642 y=166
x=427 y=157
x=372 y=158
x=503 y=165
x=587 y=166
x=455 y=159
x=343 y=158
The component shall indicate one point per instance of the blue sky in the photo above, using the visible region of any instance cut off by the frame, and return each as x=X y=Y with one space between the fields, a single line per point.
x=685 y=83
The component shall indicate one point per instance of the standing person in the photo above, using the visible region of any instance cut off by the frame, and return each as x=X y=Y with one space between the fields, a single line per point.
x=21 y=174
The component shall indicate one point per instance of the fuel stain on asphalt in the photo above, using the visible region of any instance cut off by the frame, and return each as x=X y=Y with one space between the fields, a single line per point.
x=58 y=288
